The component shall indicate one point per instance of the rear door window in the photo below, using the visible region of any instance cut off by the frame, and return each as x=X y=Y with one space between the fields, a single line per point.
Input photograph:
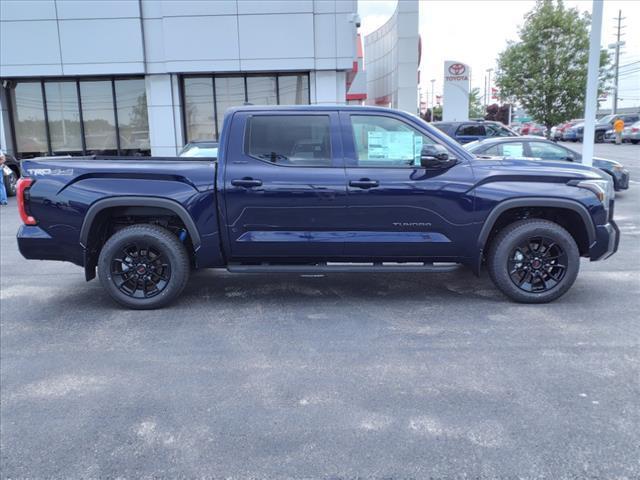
x=510 y=149
x=471 y=130
x=290 y=140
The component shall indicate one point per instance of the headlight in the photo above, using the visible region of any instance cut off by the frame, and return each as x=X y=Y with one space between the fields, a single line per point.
x=603 y=189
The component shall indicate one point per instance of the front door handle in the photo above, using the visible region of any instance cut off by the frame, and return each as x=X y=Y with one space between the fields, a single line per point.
x=246 y=182
x=364 y=183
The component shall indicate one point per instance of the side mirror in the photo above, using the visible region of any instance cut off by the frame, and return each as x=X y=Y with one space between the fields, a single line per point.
x=435 y=157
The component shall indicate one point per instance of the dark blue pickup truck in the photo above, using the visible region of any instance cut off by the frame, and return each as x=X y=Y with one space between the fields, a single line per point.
x=317 y=189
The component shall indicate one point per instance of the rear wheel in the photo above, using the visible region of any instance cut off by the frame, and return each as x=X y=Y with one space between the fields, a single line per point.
x=143 y=267
x=533 y=261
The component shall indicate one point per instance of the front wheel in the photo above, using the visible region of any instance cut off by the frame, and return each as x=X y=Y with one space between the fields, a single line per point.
x=533 y=261
x=143 y=267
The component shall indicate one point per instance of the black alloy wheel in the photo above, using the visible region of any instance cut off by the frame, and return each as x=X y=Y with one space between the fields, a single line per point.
x=537 y=265
x=140 y=271
x=144 y=266
x=533 y=260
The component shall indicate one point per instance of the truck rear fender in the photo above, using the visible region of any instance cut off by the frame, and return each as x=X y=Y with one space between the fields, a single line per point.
x=89 y=233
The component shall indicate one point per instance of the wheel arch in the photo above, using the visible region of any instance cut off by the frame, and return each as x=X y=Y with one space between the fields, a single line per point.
x=93 y=215
x=577 y=220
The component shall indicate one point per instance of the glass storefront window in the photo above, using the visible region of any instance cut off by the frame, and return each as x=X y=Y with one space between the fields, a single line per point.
x=64 y=117
x=262 y=90
x=294 y=89
x=133 y=122
x=99 y=118
x=229 y=93
x=198 y=108
x=28 y=119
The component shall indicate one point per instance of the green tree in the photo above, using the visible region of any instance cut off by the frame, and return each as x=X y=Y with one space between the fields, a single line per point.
x=546 y=71
x=476 y=110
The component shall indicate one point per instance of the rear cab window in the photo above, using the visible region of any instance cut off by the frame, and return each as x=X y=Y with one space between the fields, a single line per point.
x=471 y=130
x=294 y=140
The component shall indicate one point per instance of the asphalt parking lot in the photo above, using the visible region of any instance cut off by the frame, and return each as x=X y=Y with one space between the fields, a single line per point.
x=343 y=376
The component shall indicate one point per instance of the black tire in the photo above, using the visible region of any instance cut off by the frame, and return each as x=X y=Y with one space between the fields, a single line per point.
x=162 y=262
x=506 y=269
x=599 y=137
x=635 y=142
x=10 y=182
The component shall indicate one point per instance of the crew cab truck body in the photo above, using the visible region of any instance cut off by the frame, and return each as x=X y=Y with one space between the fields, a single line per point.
x=317 y=189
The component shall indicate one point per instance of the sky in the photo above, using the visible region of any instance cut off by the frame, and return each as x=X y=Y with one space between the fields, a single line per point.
x=476 y=31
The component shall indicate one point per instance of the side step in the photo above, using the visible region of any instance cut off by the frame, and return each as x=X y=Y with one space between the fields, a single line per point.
x=337 y=267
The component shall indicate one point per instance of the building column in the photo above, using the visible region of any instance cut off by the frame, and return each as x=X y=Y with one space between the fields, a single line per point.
x=163 y=107
x=6 y=142
x=328 y=86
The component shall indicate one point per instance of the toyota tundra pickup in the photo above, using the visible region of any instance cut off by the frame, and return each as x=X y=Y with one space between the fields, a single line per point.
x=317 y=189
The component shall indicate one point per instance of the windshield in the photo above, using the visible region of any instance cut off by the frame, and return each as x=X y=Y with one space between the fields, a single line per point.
x=199 y=151
x=605 y=120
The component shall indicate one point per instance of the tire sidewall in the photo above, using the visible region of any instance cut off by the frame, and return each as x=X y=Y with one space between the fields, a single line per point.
x=501 y=252
x=164 y=243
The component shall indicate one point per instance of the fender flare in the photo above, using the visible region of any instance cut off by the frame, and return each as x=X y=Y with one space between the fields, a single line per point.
x=137 y=201
x=505 y=205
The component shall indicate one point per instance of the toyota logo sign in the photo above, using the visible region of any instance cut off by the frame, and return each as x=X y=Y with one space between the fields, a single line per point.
x=457 y=69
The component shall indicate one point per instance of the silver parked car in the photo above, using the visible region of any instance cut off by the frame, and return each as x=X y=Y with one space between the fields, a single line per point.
x=631 y=133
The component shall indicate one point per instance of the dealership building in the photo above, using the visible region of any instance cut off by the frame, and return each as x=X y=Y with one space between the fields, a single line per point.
x=141 y=77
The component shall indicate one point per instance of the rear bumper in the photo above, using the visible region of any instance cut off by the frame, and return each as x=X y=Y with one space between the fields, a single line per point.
x=36 y=244
x=606 y=243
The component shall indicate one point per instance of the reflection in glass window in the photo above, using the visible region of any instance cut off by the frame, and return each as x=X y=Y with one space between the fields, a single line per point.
x=229 y=93
x=99 y=118
x=64 y=117
x=294 y=89
x=262 y=90
x=198 y=108
x=133 y=122
x=30 y=130
x=386 y=142
x=293 y=140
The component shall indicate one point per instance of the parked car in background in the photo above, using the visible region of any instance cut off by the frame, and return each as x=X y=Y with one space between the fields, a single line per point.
x=543 y=149
x=10 y=173
x=533 y=129
x=631 y=133
x=200 y=148
x=606 y=123
x=471 y=131
x=574 y=133
x=558 y=134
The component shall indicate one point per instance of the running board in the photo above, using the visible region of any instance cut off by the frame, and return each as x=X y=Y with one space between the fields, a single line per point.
x=337 y=267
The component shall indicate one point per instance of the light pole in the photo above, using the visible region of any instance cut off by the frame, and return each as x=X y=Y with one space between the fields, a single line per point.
x=433 y=82
x=591 y=101
x=489 y=70
x=617 y=46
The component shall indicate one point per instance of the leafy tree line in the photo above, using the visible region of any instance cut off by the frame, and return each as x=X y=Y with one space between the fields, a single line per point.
x=546 y=70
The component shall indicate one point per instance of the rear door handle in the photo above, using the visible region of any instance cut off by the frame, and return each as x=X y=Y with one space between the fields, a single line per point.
x=246 y=182
x=364 y=183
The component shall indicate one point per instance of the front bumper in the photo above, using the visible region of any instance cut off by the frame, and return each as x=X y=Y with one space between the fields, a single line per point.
x=622 y=179
x=606 y=242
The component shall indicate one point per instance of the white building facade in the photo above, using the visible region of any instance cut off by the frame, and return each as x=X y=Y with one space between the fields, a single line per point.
x=392 y=57
x=140 y=77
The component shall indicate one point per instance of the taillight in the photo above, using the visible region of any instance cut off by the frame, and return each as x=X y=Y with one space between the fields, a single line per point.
x=635 y=129
x=21 y=189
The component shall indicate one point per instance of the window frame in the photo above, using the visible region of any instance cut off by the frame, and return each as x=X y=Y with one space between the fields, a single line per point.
x=243 y=76
x=350 y=150
x=77 y=79
x=334 y=161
